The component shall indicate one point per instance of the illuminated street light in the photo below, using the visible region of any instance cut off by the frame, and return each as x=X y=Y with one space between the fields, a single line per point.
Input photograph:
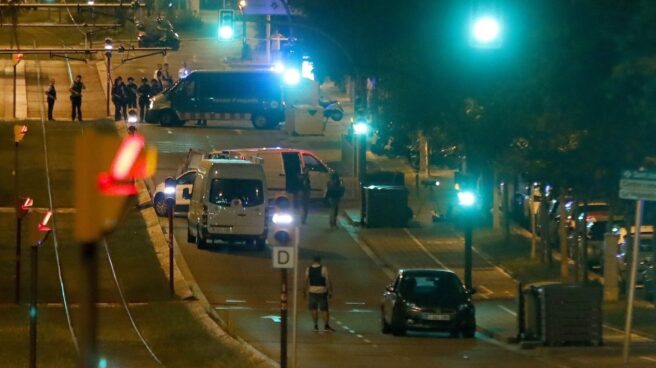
x=226 y=33
x=242 y=4
x=466 y=199
x=360 y=127
x=291 y=76
x=486 y=32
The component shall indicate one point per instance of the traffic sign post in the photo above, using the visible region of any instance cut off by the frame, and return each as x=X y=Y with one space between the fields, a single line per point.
x=640 y=186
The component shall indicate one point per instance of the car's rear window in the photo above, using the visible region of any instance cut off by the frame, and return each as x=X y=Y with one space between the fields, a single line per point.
x=432 y=289
x=224 y=191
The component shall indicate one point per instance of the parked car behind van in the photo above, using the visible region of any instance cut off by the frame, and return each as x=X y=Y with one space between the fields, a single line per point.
x=221 y=95
x=228 y=203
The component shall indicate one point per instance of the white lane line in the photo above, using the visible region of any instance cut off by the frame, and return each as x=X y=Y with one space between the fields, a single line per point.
x=421 y=246
x=232 y=307
x=359 y=336
x=235 y=301
x=650 y=359
x=351 y=331
x=272 y=302
x=169 y=131
x=239 y=132
x=367 y=341
x=339 y=322
x=503 y=308
x=345 y=327
x=355 y=303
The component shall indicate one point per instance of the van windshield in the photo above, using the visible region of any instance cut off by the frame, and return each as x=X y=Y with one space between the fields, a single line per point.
x=248 y=191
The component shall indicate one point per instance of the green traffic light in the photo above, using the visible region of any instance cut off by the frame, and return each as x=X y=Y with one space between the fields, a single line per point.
x=466 y=199
x=486 y=32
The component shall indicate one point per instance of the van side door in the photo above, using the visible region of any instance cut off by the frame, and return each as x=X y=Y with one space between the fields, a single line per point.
x=274 y=171
x=292 y=164
x=318 y=175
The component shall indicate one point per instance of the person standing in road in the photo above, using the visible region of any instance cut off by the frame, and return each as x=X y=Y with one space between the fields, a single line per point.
x=118 y=98
x=76 y=98
x=318 y=289
x=131 y=93
x=167 y=79
x=158 y=72
x=303 y=194
x=144 y=94
x=334 y=193
x=51 y=95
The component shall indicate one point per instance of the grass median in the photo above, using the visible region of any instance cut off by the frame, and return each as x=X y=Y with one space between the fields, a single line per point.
x=514 y=255
x=173 y=332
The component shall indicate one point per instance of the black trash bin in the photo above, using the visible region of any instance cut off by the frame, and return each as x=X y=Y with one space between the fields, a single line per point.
x=386 y=206
x=558 y=314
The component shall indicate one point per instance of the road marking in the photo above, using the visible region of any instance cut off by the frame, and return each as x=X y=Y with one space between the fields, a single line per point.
x=512 y=313
x=487 y=291
x=272 y=302
x=235 y=301
x=648 y=358
x=232 y=307
x=362 y=310
x=339 y=322
x=355 y=303
x=239 y=132
x=169 y=131
x=359 y=336
x=367 y=341
x=421 y=246
x=273 y=318
x=39 y=210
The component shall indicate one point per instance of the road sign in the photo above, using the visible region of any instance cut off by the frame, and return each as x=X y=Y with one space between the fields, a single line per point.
x=638 y=185
x=283 y=257
x=265 y=7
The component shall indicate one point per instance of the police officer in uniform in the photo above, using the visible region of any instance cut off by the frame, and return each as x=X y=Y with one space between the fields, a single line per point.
x=144 y=94
x=76 y=98
x=51 y=95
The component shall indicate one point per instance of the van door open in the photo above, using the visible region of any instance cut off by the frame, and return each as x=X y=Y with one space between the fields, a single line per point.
x=292 y=163
x=318 y=175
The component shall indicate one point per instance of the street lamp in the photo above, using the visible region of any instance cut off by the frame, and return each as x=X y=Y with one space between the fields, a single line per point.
x=486 y=32
x=361 y=130
x=169 y=194
x=44 y=230
x=291 y=76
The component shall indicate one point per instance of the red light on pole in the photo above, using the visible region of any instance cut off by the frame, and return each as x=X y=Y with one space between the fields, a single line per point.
x=26 y=203
x=43 y=225
x=127 y=155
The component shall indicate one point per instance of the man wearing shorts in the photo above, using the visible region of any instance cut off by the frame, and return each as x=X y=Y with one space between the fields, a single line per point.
x=319 y=288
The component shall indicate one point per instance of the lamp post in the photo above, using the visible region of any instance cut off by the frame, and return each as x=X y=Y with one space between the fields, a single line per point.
x=169 y=193
x=466 y=200
x=108 y=55
x=43 y=229
x=361 y=129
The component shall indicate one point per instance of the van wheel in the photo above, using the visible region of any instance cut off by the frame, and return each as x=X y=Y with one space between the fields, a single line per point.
x=260 y=121
x=201 y=243
x=161 y=209
x=190 y=238
x=337 y=115
x=169 y=119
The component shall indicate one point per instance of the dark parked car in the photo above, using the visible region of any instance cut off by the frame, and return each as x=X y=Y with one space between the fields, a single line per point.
x=429 y=300
x=157 y=33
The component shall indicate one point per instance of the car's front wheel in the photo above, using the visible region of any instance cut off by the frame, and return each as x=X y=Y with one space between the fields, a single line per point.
x=201 y=242
x=385 y=328
x=190 y=238
x=398 y=325
x=161 y=208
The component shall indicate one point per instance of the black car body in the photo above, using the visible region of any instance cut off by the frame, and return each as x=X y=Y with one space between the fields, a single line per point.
x=428 y=300
x=157 y=33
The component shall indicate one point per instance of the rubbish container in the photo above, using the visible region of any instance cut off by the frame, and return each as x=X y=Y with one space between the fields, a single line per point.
x=393 y=178
x=386 y=206
x=557 y=313
x=304 y=120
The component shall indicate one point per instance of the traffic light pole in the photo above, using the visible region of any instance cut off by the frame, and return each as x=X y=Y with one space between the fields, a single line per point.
x=468 y=252
x=18 y=227
x=108 y=55
x=34 y=254
x=362 y=171
x=283 y=318
x=88 y=312
x=171 y=205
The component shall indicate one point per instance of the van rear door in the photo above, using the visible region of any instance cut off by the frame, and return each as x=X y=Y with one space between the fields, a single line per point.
x=292 y=164
x=318 y=175
x=240 y=208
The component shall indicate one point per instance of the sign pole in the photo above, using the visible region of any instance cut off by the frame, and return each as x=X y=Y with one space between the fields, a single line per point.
x=632 y=280
x=295 y=297
x=283 y=318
